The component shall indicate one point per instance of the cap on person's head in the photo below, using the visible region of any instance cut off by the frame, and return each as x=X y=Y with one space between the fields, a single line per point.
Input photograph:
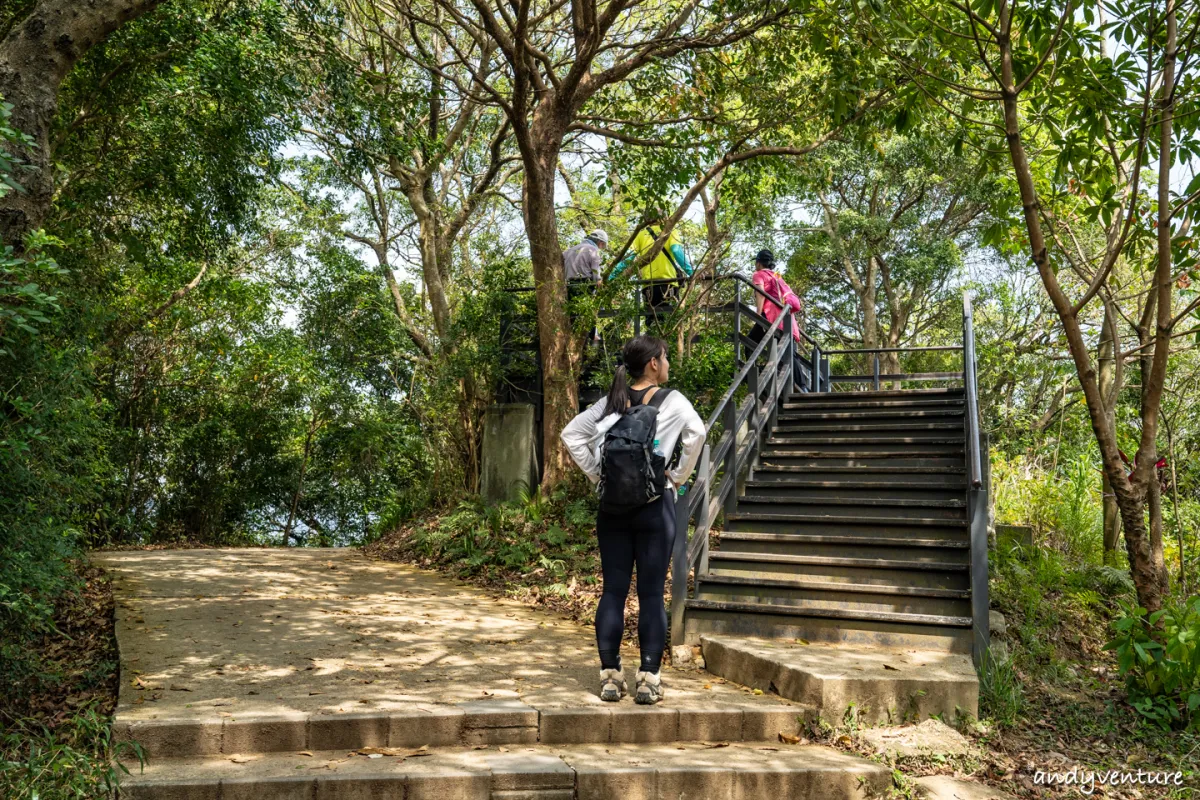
x=598 y=236
x=764 y=257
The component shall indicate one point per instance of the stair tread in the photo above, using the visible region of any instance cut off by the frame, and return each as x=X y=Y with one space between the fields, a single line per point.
x=803 y=483
x=853 y=501
x=936 y=392
x=818 y=538
x=785 y=426
x=791 y=439
x=838 y=561
x=868 y=468
x=772 y=451
x=829 y=613
x=832 y=586
x=758 y=516
x=875 y=413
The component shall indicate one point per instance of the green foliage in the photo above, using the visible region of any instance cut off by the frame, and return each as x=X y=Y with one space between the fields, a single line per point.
x=1159 y=657
x=1001 y=696
x=547 y=538
x=78 y=759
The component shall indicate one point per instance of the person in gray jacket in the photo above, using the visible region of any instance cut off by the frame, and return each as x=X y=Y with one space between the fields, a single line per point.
x=582 y=262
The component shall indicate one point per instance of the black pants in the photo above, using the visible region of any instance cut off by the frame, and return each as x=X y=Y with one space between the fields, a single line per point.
x=643 y=538
x=660 y=298
x=800 y=374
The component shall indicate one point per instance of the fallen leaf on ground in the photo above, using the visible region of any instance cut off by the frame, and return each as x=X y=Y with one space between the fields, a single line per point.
x=306 y=753
x=242 y=759
x=787 y=738
x=889 y=666
x=179 y=687
x=845 y=740
x=715 y=746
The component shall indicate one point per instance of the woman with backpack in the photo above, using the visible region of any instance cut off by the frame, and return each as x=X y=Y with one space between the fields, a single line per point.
x=621 y=442
x=778 y=297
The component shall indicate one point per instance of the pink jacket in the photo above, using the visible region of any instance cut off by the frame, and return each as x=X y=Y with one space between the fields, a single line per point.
x=776 y=288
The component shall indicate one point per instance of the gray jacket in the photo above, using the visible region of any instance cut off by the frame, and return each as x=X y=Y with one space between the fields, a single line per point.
x=582 y=262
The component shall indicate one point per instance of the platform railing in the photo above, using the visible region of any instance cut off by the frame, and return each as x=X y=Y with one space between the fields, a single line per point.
x=977 y=495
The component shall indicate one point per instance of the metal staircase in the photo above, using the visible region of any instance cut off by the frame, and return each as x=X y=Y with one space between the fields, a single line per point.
x=852 y=527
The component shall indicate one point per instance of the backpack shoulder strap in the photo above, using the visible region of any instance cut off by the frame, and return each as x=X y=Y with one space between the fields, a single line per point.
x=660 y=394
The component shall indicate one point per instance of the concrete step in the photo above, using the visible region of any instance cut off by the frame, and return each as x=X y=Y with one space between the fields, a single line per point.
x=486 y=722
x=842 y=546
x=933 y=574
x=873 y=394
x=826 y=402
x=815 y=490
x=580 y=772
x=883 y=685
x=865 y=597
x=838 y=626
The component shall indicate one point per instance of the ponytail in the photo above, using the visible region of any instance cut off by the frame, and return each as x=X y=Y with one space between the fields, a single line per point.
x=636 y=354
x=618 y=393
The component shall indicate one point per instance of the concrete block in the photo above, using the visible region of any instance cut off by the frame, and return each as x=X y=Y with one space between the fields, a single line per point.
x=509 y=458
x=535 y=794
x=944 y=787
x=290 y=787
x=171 y=789
x=174 y=738
x=694 y=782
x=276 y=734
x=477 y=736
x=512 y=771
x=710 y=724
x=498 y=714
x=347 y=731
x=588 y=725
x=765 y=724
x=449 y=786
x=641 y=725
x=436 y=727
x=360 y=787
x=997 y=624
x=597 y=782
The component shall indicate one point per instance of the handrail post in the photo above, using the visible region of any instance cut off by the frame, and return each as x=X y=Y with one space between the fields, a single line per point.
x=731 y=458
x=826 y=384
x=814 y=379
x=704 y=475
x=737 y=326
x=679 y=567
x=875 y=383
x=773 y=394
x=977 y=499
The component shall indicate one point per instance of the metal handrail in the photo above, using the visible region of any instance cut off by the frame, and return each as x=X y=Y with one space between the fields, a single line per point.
x=972 y=392
x=977 y=499
x=939 y=348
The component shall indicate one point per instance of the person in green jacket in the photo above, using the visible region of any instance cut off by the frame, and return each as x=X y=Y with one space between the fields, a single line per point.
x=669 y=266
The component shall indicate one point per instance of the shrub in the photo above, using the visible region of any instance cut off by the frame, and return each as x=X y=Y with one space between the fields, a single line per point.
x=1159 y=657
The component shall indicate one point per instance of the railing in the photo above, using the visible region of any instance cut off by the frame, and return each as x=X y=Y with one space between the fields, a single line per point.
x=763 y=388
x=977 y=496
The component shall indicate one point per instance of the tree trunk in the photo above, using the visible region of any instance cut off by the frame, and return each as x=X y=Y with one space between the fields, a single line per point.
x=35 y=58
x=1109 y=391
x=560 y=391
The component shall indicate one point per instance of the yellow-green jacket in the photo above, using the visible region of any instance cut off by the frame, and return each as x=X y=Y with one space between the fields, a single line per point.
x=663 y=265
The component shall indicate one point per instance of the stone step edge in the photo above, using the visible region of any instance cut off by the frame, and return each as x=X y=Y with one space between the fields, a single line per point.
x=802 y=772
x=887 y=698
x=469 y=724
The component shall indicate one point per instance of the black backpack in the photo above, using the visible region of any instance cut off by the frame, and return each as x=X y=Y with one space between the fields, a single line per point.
x=631 y=473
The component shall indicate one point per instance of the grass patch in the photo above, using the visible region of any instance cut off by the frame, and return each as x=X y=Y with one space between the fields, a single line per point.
x=56 y=717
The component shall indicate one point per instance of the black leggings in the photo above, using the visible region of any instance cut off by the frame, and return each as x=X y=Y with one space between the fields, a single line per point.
x=645 y=538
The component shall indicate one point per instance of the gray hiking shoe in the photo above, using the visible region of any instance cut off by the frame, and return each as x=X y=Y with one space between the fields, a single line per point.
x=612 y=685
x=649 y=688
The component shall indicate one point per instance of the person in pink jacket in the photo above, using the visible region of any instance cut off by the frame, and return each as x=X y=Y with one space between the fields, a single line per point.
x=778 y=297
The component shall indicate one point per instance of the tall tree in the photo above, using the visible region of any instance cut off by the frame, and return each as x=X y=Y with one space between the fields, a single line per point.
x=1078 y=126
x=38 y=52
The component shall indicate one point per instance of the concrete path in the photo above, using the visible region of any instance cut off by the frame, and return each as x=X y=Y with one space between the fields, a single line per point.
x=268 y=650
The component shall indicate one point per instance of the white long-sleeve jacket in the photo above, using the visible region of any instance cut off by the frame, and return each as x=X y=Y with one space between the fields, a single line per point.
x=676 y=418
